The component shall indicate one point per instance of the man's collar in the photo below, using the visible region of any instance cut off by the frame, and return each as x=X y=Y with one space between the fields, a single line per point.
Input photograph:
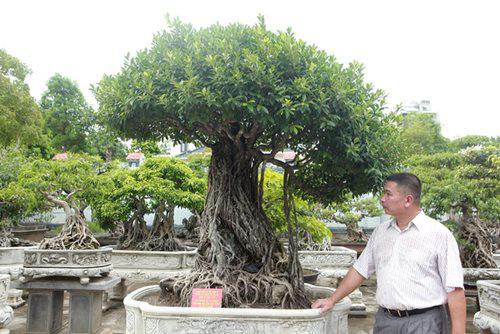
x=418 y=221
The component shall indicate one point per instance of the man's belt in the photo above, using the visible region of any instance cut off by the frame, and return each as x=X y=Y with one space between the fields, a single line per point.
x=407 y=313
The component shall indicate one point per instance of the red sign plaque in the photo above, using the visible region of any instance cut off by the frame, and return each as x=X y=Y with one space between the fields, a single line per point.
x=211 y=298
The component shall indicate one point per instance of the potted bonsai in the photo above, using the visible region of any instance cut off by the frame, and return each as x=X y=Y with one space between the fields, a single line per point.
x=156 y=187
x=74 y=251
x=248 y=93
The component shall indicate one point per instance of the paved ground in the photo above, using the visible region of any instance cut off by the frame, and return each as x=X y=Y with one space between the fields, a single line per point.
x=114 y=318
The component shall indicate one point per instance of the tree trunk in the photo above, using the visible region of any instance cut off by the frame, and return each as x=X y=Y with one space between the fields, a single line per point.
x=355 y=233
x=477 y=249
x=75 y=233
x=238 y=250
x=135 y=229
x=162 y=237
x=235 y=232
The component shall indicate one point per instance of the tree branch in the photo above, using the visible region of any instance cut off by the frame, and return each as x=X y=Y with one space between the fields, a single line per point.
x=60 y=203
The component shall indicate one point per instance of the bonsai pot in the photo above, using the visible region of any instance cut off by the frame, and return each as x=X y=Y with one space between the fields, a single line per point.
x=73 y=263
x=142 y=317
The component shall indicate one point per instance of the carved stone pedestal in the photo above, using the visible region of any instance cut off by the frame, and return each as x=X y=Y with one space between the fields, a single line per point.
x=45 y=311
x=6 y=313
x=45 y=303
x=488 y=318
x=14 y=298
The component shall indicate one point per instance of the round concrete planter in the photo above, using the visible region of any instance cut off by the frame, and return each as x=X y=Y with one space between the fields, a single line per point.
x=143 y=317
x=73 y=263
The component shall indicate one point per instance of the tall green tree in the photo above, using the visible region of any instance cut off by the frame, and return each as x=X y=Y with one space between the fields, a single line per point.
x=422 y=134
x=248 y=93
x=15 y=202
x=20 y=117
x=105 y=144
x=68 y=117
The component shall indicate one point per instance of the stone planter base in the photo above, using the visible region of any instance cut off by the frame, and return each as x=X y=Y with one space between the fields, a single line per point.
x=6 y=312
x=69 y=263
x=14 y=298
x=11 y=263
x=488 y=319
x=145 y=318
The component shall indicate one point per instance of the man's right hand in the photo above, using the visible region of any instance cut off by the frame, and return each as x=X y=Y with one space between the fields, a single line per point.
x=324 y=305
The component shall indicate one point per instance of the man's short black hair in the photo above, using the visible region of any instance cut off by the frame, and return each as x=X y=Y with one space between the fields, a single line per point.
x=408 y=181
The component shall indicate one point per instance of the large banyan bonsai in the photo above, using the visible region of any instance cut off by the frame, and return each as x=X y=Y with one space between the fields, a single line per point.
x=248 y=93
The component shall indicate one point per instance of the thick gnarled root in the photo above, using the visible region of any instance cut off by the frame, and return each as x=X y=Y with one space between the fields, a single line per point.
x=74 y=235
x=240 y=288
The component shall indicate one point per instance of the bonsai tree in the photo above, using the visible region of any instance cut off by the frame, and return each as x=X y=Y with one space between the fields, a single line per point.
x=64 y=184
x=350 y=212
x=157 y=187
x=248 y=93
x=465 y=186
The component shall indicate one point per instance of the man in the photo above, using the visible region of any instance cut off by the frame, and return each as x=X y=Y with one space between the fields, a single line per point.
x=418 y=268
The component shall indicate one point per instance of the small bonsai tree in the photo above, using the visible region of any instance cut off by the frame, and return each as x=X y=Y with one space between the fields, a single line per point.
x=350 y=212
x=157 y=187
x=64 y=184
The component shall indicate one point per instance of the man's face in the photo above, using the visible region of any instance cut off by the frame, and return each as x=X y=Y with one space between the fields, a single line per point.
x=394 y=200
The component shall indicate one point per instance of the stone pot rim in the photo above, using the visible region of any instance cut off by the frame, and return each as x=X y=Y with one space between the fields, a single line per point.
x=489 y=283
x=18 y=247
x=104 y=249
x=152 y=253
x=150 y=310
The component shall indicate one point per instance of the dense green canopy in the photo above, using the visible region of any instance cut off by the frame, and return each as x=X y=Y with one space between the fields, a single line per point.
x=20 y=118
x=262 y=90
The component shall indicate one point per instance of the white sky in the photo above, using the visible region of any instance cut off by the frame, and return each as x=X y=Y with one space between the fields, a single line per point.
x=444 y=51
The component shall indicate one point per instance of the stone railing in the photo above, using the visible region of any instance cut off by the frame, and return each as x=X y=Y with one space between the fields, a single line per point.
x=11 y=261
x=488 y=318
